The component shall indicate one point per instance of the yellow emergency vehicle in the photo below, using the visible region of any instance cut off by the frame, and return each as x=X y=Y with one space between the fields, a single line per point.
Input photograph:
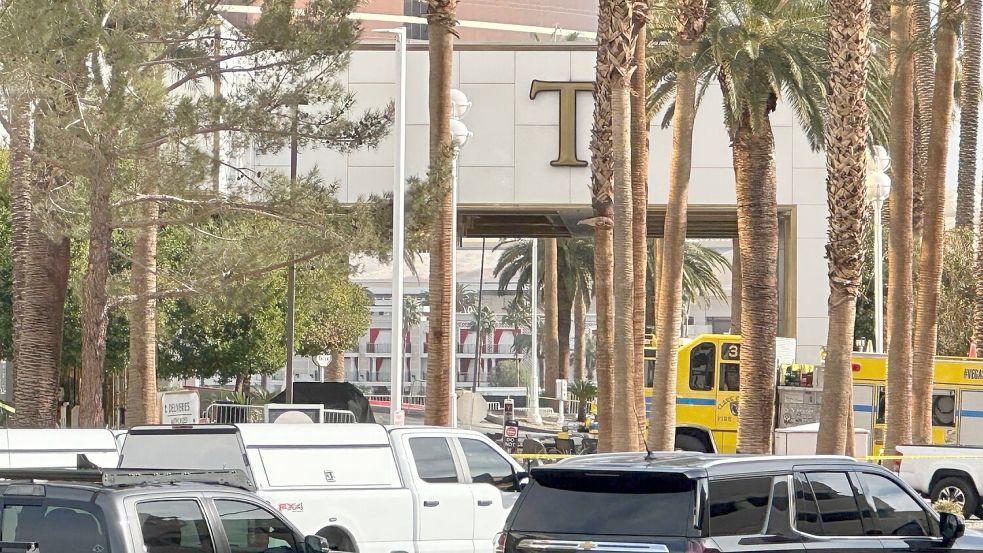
x=708 y=392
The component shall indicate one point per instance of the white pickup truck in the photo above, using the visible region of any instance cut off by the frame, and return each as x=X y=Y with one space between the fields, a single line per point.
x=944 y=472
x=365 y=487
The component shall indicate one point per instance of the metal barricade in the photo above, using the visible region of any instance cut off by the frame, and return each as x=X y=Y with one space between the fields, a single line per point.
x=336 y=416
x=231 y=413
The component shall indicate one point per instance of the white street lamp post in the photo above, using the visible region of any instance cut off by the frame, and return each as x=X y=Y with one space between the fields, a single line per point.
x=532 y=406
x=396 y=415
x=878 y=188
x=459 y=137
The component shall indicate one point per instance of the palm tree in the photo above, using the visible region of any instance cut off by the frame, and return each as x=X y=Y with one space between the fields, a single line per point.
x=689 y=23
x=846 y=144
x=467 y=299
x=584 y=392
x=550 y=311
x=901 y=237
x=40 y=281
x=141 y=371
x=581 y=303
x=735 y=288
x=602 y=168
x=763 y=48
x=441 y=19
x=969 y=105
x=640 y=122
x=575 y=259
x=918 y=18
x=517 y=315
x=484 y=323
x=930 y=255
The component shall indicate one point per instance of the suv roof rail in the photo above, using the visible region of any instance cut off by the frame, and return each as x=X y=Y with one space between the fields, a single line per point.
x=89 y=473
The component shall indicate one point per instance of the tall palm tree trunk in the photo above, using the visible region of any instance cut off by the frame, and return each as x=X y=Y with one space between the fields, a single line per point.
x=969 y=106
x=441 y=17
x=564 y=320
x=551 y=349
x=40 y=281
x=901 y=237
x=846 y=148
x=336 y=368
x=626 y=429
x=757 y=224
x=639 y=200
x=735 y=288
x=580 y=334
x=924 y=83
x=930 y=255
x=656 y=277
x=690 y=17
x=141 y=380
x=602 y=202
x=95 y=308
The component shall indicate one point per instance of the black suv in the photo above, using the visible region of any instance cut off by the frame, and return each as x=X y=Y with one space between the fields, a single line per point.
x=122 y=511
x=700 y=503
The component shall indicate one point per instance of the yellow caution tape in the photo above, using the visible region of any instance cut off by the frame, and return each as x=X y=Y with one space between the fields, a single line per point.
x=6 y=407
x=907 y=457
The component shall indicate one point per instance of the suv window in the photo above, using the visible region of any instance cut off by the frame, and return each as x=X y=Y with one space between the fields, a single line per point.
x=701 y=361
x=739 y=507
x=826 y=505
x=634 y=503
x=251 y=529
x=486 y=465
x=897 y=513
x=63 y=526
x=174 y=527
x=434 y=461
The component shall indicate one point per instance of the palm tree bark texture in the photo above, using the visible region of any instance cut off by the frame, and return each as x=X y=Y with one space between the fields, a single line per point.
x=639 y=201
x=846 y=147
x=969 y=106
x=40 y=281
x=441 y=18
x=924 y=81
x=141 y=379
x=901 y=237
x=621 y=49
x=757 y=226
x=551 y=348
x=690 y=19
x=602 y=170
x=930 y=255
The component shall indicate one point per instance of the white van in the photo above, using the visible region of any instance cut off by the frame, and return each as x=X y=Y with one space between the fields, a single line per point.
x=56 y=448
x=365 y=487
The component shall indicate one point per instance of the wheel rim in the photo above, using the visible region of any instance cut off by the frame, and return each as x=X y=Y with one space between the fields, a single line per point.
x=954 y=494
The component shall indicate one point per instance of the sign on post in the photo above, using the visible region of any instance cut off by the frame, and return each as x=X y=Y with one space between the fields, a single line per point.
x=561 y=396
x=180 y=407
x=509 y=409
x=510 y=436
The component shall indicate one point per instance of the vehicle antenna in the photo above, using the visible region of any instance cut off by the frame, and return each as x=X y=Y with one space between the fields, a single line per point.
x=649 y=455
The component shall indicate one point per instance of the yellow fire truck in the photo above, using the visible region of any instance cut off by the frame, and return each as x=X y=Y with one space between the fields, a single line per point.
x=708 y=392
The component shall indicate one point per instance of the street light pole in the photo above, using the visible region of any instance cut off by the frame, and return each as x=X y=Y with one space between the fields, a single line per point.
x=878 y=188
x=291 y=269
x=396 y=415
x=532 y=406
x=459 y=137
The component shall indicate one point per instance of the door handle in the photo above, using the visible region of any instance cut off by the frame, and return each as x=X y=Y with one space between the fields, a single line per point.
x=431 y=503
x=484 y=502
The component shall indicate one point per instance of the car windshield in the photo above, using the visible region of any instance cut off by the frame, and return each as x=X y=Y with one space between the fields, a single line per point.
x=607 y=503
x=62 y=526
x=182 y=450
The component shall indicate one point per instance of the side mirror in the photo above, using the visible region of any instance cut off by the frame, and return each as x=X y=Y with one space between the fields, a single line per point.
x=952 y=528
x=316 y=544
x=519 y=480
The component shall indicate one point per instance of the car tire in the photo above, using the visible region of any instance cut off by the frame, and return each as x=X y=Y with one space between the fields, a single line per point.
x=338 y=539
x=689 y=443
x=958 y=489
